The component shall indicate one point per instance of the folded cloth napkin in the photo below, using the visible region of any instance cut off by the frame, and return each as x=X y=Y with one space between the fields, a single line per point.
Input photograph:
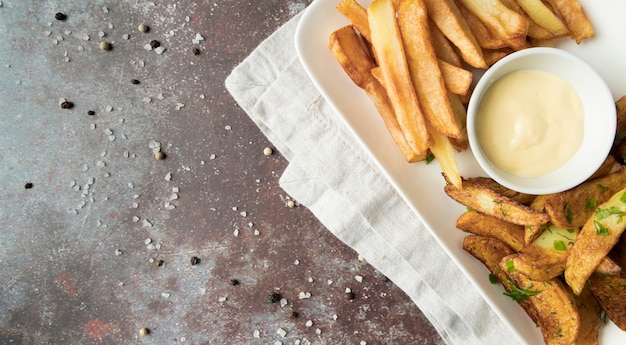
x=326 y=173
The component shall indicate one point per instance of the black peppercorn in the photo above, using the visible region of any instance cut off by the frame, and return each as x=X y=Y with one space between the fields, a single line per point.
x=195 y=51
x=273 y=297
x=159 y=263
x=350 y=295
x=60 y=16
x=293 y=315
x=28 y=185
x=155 y=44
x=134 y=81
x=91 y=112
x=195 y=260
x=234 y=282
x=67 y=105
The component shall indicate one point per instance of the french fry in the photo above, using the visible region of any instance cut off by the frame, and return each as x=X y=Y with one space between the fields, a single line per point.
x=575 y=19
x=506 y=24
x=487 y=201
x=391 y=58
x=596 y=239
x=349 y=51
x=534 y=31
x=460 y=114
x=447 y=17
x=443 y=47
x=494 y=55
x=456 y=79
x=544 y=17
x=424 y=70
x=483 y=35
x=445 y=153
x=357 y=15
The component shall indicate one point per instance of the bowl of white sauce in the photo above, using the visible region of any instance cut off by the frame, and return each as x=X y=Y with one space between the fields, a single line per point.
x=541 y=121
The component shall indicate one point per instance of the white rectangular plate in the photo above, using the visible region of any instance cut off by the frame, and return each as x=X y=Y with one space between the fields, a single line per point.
x=421 y=185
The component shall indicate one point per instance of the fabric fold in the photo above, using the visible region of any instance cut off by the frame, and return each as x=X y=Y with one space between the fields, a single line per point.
x=332 y=175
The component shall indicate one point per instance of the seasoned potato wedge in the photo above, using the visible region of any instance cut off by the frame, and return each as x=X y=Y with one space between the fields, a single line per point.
x=610 y=292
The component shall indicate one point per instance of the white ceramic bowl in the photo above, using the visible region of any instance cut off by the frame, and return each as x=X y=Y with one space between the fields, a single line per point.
x=599 y=119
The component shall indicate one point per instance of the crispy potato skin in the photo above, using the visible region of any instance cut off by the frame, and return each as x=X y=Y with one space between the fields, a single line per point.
x=484 y=225
x=610 y=292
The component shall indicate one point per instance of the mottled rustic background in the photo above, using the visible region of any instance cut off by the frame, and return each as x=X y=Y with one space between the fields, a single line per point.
x=97 y=236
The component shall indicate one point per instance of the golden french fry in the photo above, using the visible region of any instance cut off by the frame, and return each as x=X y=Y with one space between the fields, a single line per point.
x=445 y=153
x=447 y=17
x=494 y=55
x=460 y=114
x=443 y=47
x=596 y=239
x=424 y=69
x=544 y=17
x=391 y=57
x=357 y=15
x=575 y=18
x=534 y=31
x=456 y=79
x=349 y=51
x=485 y=200
x=504 y=23
x=484 y=37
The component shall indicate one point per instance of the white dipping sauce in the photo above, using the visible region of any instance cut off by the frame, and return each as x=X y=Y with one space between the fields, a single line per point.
x=530 y=123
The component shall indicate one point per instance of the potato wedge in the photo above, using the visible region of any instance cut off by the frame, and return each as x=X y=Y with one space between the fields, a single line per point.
x=572 y=208
x=485 y=200
x=391 y=57
x=490 y=183
x=488 y=226
x=575 y=18
x=590 y=321
x=504 y=23
x=557 y=316
x=447 y=17
x=490 y=252
x=350 y=52
x=532 y=232
x=596 y=239
x=424 y=69
x=610 y=292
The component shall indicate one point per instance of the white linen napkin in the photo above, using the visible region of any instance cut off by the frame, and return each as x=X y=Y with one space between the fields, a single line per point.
x=332 y=175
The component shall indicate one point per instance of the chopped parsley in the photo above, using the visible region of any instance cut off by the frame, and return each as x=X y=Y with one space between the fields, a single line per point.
x=510 y=266
x=559 y=245
x=600 y=229
x=623 y=198
x=591 y=203
x=518 y=294
x=430 y=158
x=602 y=188
x=493 y=279
x=611 y=211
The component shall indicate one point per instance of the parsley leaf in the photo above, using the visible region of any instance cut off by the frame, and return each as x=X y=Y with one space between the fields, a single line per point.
x=518 y=294
x=607 y=212
x=591 y=204
x=600 y=229
x=559 y=245
x=430 y=158
x=493 y=279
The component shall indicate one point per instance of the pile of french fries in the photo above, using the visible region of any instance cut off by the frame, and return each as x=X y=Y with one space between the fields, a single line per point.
x=414 y=59
x=561 y=256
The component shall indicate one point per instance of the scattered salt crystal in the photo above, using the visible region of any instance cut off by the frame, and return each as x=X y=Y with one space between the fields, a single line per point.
x=108 y=108
x=256 y=334
x=243 y=213
x=348 y=290
x=135 y=219
x=329 y=282
x=212 y=156
x=236 y=232
x=297 y=262
x=174 y=196
x=166 y=294
x=151 y=247
x=168 y=176
x=147 y=241
x=304 y=295
x=146 y=99
x=281 y=332
x=222 y=299
x=175 y=189
x=179 y=106
x=256 y=232
x=358 y=278
x=309 y=323
x=147 y=46
x=335 y=317
x=146 y=223
x=101 y=34
x=310 y=280
x=125 y=36
x=160 y=96
x=318 y=331
x=118 y=252
x=159 y=50
x=363 y=342
x=197 y=39
x=283 y=302
x=131 y=185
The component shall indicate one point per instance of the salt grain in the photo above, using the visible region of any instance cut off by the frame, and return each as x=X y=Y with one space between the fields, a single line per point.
x=222 y=299
x=168 y=176
x=159 y=50
x=166 y=294
x=309 y=323
x=256 y=334
x=281 y=332
x=358 y=278
x=304 y=295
